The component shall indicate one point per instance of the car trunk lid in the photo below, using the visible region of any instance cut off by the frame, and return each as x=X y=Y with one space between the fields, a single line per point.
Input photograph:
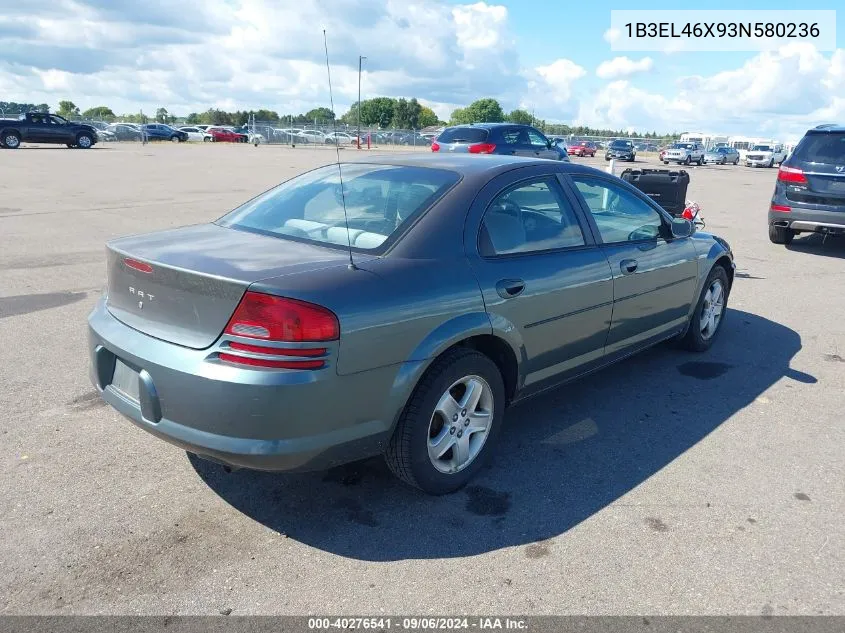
x=183 y=285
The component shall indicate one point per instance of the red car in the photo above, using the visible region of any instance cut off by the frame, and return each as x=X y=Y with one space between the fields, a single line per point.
x=582 y=148
x=221 y=134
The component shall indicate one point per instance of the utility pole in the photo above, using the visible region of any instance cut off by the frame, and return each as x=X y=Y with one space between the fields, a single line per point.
x=361 y=58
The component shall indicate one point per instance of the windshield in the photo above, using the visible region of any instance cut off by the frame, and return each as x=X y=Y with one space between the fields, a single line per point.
x=762 y=148
x=381 y=200
x=621 y=144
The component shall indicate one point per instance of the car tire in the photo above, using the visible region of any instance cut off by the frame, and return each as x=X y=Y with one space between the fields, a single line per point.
x=70 y=145
x=700 y=161
x=771 y=163
x=409 y=450
x=780 y=234
x=205 y=139
x=688 y=160
x=665 y=162
x=607 y=157
x=84 y=141
x=175 y=139
x=736 y=162
x=11 y=140
x=703 y=329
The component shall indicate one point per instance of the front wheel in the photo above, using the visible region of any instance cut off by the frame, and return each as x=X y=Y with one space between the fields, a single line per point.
x=665 y=162
x=700 y=161
x=450 y=423
x=84 y=141
x=736 y=162
x=175 y=139
x=771 y=163
x=709 y=312
x=688 y=160
x=780 y=234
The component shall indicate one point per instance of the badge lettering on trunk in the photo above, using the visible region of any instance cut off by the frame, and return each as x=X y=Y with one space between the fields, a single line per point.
x=141 y=295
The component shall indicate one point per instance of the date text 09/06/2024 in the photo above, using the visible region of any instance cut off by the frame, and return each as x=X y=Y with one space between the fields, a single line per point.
x=418 y=624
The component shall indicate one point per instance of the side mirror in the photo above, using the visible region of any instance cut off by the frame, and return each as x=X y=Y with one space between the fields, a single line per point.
x=549 y=144
x=681 y=227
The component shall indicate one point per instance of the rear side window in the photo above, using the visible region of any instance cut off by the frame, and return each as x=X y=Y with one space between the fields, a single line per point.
x=381 y=200
x=462 y=135
x=821 y=148
x=529 y=218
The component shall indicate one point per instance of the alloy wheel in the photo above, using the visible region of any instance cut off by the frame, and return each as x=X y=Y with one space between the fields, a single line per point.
x=460 y=424
x=711 y=309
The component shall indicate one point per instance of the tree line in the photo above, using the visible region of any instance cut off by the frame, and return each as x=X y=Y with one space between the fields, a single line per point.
x=381 y=112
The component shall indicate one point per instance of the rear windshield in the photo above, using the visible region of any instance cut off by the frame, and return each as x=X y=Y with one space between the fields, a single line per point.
x=381 y=201
x=462 y=135
x=822 y=148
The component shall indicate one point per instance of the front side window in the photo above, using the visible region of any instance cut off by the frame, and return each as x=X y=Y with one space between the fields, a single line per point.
x=528 y=218
x=537 y=139
x=619 y=215
x=381 y=200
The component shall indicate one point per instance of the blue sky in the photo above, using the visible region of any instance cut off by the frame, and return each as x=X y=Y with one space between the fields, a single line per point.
x=551 y=57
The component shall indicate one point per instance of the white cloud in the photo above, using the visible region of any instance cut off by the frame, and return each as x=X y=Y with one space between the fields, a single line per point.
x=611 y=35
x=623 y=67
x=779 y=93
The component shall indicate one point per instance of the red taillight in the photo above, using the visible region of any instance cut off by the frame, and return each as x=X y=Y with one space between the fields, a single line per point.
x=482 y=148
x=136 y=265
x=781 y=208
x=271 y=318
x=687 y=214
x=274 y=318
x=435 y=146
x=272 y=364
x=792 y=175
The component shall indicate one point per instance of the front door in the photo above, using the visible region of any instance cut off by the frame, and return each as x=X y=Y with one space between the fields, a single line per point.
x=654 y=275
x=547 y=286
x=540 y=145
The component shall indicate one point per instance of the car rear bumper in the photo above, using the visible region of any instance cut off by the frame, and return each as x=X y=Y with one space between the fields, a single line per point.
x=277 y=420
x=803 y=219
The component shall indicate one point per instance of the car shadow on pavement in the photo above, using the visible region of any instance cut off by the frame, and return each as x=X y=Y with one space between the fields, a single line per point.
x=815 y=244
x=562 y=457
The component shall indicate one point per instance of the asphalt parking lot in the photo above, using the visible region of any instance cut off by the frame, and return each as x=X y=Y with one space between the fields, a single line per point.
x=672 y=483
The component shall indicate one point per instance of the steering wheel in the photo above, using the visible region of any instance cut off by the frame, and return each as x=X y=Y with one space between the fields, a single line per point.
x=508 y=207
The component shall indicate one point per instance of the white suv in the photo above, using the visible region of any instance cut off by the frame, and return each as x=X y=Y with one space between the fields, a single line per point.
x=765 y=156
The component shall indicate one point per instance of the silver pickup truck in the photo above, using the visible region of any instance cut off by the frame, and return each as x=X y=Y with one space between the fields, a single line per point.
x=684 y=153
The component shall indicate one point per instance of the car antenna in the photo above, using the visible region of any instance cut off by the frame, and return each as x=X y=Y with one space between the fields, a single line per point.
x=337 y=149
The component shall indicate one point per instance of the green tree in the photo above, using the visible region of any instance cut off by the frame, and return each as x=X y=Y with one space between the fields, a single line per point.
x=378 y=111
x=68 y=109
x=161 y=115
x=520 y=116
x=485 y=111
x=192 y=118
x=401 y=115
x=99 y=112
x=459 y=116
x=322 y=115
x=427 y=117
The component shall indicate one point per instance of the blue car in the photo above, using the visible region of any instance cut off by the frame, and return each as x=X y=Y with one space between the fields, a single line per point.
x=162 y=132
x=498 y=138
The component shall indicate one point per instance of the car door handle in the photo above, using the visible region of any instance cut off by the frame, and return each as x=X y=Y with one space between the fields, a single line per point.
x=510 y=288
x=628 y=266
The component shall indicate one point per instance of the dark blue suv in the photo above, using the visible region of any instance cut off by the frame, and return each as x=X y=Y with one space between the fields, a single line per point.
x=809 y=193
x=498 y=138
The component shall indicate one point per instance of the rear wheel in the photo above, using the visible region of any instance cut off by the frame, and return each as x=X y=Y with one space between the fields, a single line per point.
x=11 y=140
x=780 y=234
x=450 y=423
x=709 y=312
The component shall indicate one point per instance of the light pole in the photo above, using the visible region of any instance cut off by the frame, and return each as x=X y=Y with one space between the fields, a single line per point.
x=361 y=58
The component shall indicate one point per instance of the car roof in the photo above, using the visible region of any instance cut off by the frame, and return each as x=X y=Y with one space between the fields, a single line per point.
x=490 y=126
x=827 y=128
x=469 y=165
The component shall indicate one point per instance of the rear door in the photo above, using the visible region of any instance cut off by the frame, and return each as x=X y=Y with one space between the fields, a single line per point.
x=546 y=285
x=654 y=275
x=36 y=128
